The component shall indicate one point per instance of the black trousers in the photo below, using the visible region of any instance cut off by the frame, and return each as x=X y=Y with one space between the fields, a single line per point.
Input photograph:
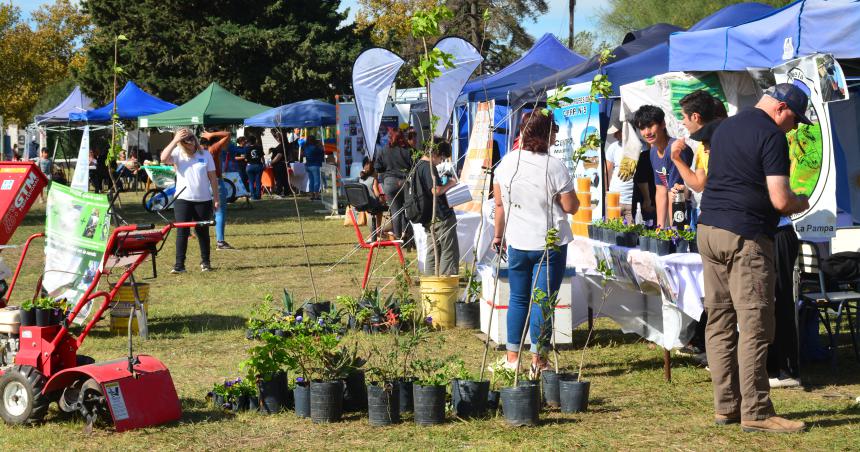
x=192 y=211
x=782 y=354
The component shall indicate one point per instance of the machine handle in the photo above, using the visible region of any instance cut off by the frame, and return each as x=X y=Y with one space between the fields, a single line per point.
x=193 y=224
x=144 y=226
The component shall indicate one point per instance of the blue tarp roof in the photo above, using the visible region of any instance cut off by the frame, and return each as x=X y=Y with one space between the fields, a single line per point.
x=634 y=43
x=655 y=60
x=546 y=57
x=307 y=113
x=76 y=101
x=801 y=28
x=131 y=102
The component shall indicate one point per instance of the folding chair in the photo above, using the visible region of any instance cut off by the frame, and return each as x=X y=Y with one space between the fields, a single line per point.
x=358 y=197
x=827 y=304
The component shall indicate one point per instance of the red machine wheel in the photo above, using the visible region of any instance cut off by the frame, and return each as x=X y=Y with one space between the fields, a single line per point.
x=21 y=398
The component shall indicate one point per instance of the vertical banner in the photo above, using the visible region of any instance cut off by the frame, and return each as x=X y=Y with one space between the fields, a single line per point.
x=479 y=156
x=373 y=73
x=77 y=226
x=576 y=121
x=81 y=179
x=813 y=171
x=445 y=88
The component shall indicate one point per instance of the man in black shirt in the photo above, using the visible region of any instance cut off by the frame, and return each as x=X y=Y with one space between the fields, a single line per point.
x=445 y=227
x=746 y=192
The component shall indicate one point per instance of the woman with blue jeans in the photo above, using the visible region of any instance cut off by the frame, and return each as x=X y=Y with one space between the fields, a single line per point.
x=255 y=167
x=314 y=158
x=533 y=193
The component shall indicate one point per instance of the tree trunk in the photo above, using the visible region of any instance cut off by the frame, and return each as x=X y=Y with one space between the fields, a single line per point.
x=571 y=5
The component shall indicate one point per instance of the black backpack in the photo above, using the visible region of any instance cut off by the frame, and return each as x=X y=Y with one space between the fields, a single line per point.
x=844 y=266
x=417 y=203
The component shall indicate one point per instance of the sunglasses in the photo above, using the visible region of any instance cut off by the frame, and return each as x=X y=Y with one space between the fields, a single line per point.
x=189 y=140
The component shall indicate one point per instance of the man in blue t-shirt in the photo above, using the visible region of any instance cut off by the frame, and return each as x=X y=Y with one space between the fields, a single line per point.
x=746 y=192
x=651 y=122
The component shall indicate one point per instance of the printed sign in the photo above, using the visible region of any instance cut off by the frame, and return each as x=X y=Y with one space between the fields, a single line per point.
x=77 y=227
x=479 y=157
x=577 y=121
x=116 y=400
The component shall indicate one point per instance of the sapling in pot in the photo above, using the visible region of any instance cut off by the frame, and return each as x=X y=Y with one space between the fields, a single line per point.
x=429 y=391
x=467 y=311
x=468 y=394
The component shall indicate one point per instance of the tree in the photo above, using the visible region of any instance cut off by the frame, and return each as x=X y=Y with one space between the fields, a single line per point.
x=501 y=38
x=622 y=16
x=585 y=44
x=267 y=51
x=38 y=55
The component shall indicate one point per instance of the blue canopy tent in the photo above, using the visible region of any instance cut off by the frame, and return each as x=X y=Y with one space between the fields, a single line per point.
x=307 y=113
x=75 y=102
x=547 y=56
x=801 y=28
x=131 y=102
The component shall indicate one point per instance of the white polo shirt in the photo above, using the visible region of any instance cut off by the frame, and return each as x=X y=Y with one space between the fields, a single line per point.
x=192 y=174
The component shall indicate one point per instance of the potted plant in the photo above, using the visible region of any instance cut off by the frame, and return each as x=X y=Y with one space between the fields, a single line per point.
x=429 y=391
x=664 y=244
x=314 y=307
x=383 y=390
x=549 y=378
x=373 y=309
x=246 y=395
x=349 y=305
x=44 y=311
x=687 y=241
x=467 y=312
x=268 y=360
x=221 y=395
x=468 y=393
x=645 y=238
x=28 y=313
x=500 y=377
x=629 y=236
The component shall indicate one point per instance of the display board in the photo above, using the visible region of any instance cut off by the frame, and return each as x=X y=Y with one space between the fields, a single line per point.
x=576 y=121
x=350 y=139
x=478 y=157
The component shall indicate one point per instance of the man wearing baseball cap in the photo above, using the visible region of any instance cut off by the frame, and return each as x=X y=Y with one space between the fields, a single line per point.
x=746 y=193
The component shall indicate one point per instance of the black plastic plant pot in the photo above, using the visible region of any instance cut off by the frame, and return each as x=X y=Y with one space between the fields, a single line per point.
x=218 y=401
x=273 y=394
x=253 y=403
x=56 y=316
x=429 y=404
x=694 y=246
x=470 y=398
x=549 y=381
x=404 y=387
x=574 y=394
x=664 y=247
x=326 y=401
x=240 y=404
x=682 y=246
x=590 y=231
x=43 y=317
x=631 y=239
x=302 y=397
x=28 y=317
x=521 y=404
x=383 y=404
x=314 y=310
x=652 y=245
x=354 y=392
x=645 y=244
x=468 y=315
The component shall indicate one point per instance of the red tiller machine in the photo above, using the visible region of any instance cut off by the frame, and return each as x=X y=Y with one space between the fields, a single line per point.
x=39 y=365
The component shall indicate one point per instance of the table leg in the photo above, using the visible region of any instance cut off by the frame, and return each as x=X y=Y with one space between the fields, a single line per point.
x=667 y=365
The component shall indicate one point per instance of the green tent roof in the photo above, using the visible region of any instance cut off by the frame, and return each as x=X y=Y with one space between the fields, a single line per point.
x=215 y=105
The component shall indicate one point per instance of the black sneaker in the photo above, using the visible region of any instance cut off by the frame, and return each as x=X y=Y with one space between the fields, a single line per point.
x=205 y=268
x=222 y=245
x=177 y=270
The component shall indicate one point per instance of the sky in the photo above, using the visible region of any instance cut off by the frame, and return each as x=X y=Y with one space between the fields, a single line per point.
x=554 y=21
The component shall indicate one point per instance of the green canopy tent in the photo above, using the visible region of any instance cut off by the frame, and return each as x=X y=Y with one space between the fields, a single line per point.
x=215 y=105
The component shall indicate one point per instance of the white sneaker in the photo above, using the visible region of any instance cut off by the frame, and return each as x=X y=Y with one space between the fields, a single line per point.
x=502 y=363
x=787 y=382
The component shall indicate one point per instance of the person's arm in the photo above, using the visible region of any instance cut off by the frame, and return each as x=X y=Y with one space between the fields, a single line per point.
x=569 y=202
x=499 y=220
x=783 y=199
x=278 y=157
x=662 y=197
x=180 y=135
x=213 y=183
x=221 y=138
x=610 y=167
x=439 y=190
x=690 y=177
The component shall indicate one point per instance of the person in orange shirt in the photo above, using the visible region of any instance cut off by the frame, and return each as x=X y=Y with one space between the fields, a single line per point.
x=219 y=139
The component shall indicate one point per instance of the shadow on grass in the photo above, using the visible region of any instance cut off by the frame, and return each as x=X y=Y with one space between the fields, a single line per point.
x=627 y=367
x=298 y=245
x=605 y=337
x=805 y=415
x=200 y=411
x=276 y=265
x=176 y=326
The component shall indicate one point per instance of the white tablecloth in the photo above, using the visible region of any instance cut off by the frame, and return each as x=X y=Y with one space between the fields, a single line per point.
x=468 y=224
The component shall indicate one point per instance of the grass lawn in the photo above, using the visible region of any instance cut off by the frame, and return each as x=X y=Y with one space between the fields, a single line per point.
x=197 y=330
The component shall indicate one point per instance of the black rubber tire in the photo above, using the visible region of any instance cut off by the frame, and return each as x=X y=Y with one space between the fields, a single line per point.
x=155 y=205
x=230 y=196
x=33 y=382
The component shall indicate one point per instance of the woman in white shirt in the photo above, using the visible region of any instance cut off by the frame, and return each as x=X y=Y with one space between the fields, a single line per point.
x=196 y=193
x=533 y=192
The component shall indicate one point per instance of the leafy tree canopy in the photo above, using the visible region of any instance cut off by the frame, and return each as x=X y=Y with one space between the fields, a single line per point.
x=37 y=55
x=622 y=16
x=268 y=51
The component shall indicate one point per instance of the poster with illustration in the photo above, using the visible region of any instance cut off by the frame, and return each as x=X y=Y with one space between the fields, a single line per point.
x=479 y=157
x=813 y=171
x=577 y=120
x=77 y=226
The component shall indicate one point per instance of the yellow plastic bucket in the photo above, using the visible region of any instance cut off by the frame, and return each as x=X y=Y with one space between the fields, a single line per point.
x=438 y=295
x=119 y=325
x=126 y=293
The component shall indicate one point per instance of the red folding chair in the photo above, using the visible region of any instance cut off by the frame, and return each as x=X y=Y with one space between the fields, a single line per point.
x=372 y=246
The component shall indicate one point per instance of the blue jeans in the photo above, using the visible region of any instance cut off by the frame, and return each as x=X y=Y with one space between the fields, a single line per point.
x=221 y=212
x=314 y=176
x=255 y=179
x=527 y=271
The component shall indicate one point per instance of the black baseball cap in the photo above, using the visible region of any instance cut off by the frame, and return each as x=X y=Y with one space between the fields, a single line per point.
x=794 y=97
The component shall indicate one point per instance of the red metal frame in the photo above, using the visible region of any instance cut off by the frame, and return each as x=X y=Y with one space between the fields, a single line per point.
x=372 y=247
